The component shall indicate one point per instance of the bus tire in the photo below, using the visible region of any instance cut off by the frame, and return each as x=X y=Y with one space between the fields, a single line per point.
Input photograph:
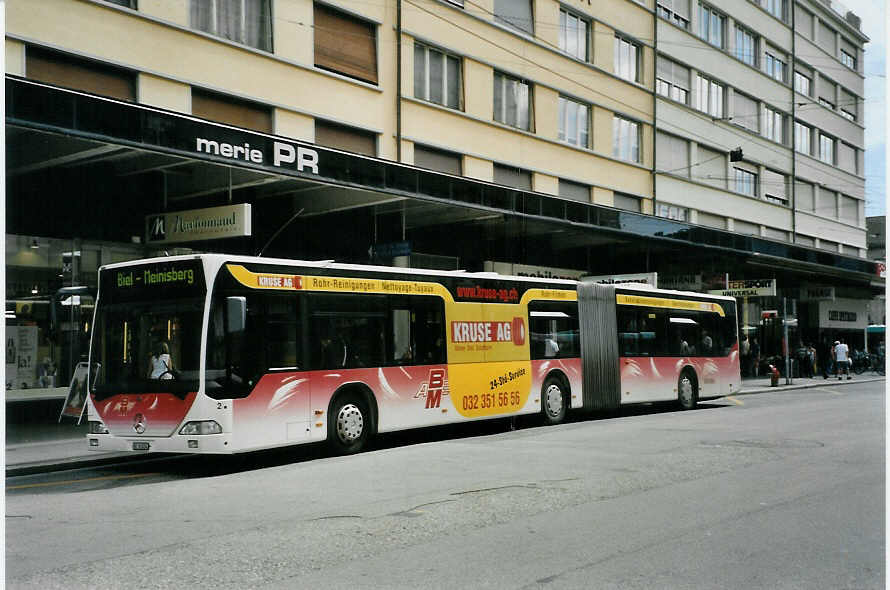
x=687 y=390
x=349 y=423
x=553 y=401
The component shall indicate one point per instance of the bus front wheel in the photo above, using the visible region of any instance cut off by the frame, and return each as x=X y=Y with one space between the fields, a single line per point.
x=349 y=424
x=553 y=401
x=687 y=390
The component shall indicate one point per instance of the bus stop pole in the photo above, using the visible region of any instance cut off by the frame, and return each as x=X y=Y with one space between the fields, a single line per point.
x=785 y=341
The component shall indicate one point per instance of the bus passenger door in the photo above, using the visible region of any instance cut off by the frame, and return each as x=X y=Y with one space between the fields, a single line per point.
x=646 y=374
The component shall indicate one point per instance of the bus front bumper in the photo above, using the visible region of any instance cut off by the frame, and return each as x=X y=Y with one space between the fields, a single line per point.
x=207 y=443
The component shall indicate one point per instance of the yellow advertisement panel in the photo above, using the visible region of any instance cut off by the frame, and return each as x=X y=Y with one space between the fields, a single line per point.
x=670 y=303
x=489 y=389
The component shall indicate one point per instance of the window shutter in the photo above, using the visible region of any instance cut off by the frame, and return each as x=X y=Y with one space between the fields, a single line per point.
x=827 y=38
x=804 y=196
x=744 y=111
x=439 y=160
x=515 y=177
x=61 y=70
x=231 y=111
x=827 y=90
x=574 y=190
x=345 y=44
x=774 y=185
x=345 y=138
x=846 y=157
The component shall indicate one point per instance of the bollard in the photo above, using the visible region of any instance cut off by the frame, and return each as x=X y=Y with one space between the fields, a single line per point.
x=773 y=376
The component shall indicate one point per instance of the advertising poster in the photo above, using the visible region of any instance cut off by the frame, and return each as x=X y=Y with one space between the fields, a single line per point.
x=77 y=393
x=12 y=339
x=26 y=358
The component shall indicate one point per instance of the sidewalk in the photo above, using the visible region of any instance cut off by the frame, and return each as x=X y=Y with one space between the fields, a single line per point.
x=35 y=448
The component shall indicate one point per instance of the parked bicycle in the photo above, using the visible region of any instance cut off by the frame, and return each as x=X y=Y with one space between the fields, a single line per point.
x=877 y=363
x=861 y=362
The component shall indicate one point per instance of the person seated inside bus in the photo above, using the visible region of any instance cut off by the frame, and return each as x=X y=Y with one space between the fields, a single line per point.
x=551 y=348
x=707 y=343
x=161 y=363
x=334 y=352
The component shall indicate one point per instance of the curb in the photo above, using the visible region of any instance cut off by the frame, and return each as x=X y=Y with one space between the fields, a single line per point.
x=824 y=383
x=53 y=465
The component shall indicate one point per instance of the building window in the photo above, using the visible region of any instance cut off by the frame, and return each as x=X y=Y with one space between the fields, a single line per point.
x=625 y=139
x=745 y=112
x=672 y=212
x=232 y=111
x=710 y=25
x=512 y=101
x=672 y=80
x=513 y=176
x=515 y=13
x=848 y=115
x=775 y=187
x=627 y=59
x=435 y=159
x=826 y=149
x=848 y=60
x=773 y=125
x=345 y=44
x=573 y=34
x=776 y=8
x=626 y=202
x=675 y=11
x=745 y=182
x=574 y=191
x=802 y=84
x=746 y=46
x=774 y=67
x=248 y=22
x=345 y=138
x=825 y=103
x=802 y=135
x=436 y=76
x=70 y=72
x=573 y=122
x=710 y=97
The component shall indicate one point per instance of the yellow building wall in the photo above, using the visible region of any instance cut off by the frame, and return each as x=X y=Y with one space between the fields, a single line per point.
x=295 y=125
x=174 y=12
x=293 y=32
x=164 y=93
x=478 y=168
x=15 y=57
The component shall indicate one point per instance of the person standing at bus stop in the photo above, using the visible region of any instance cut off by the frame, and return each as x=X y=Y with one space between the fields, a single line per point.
x=842 y=359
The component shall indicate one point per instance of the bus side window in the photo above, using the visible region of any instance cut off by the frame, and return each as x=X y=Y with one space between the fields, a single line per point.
x=628 y=333
x=417 y=331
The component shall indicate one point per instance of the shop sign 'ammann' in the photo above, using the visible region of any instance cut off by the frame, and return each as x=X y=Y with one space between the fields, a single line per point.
x=213 y=223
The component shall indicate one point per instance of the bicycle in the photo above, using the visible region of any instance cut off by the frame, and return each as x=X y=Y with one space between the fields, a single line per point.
x=877 y=363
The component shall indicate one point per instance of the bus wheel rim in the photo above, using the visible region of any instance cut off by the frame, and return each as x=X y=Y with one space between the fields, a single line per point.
x=554 y=400
x=686 y=390
x=350 y=423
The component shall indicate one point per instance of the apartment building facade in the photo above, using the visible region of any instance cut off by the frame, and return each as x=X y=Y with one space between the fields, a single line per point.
x=526 y=135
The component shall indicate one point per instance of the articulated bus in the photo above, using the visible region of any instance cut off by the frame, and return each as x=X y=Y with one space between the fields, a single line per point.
x=256 y=353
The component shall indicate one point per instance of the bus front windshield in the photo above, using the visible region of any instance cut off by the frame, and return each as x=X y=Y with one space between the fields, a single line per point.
x=147 y=347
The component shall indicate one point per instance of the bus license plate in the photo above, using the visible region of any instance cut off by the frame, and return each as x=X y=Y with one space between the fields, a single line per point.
x=141 y=446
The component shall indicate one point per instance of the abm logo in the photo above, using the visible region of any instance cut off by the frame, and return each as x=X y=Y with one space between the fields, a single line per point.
x=433 y=389
x=157 y=228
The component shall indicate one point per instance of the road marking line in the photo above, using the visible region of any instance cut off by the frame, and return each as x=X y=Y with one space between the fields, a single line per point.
x=735 y=401
x=59 y=483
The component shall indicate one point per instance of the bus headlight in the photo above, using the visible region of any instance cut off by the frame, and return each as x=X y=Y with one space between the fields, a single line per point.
x=98 y=428
x=202 y=427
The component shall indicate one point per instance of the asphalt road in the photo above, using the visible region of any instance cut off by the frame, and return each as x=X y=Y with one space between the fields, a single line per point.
x=781 y=490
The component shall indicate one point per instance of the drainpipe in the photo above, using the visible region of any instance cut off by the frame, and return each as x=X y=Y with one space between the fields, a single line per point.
x=654 y=116
x=793 y=139
x=399 y=80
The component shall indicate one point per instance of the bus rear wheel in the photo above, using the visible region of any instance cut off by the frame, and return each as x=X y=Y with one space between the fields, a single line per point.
x=553 y=401
x=349 y=424
x=687 y=390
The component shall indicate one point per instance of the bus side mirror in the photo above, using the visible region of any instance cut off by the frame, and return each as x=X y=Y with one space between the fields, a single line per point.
x=236 y=314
